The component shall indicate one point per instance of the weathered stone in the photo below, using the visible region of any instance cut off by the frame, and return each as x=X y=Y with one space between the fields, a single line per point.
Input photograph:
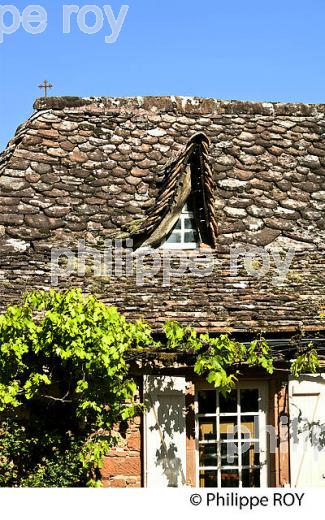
x=57 y=211
x=67 y=145
x=319 y=196
x=246 y=136
x=11 y=183
x=56 y=152
x=279 y=223
x=77 y=156
x=32 y=177
x=236 y=212
x=134 y=181
x=232 y=184
x=146 y=164
x=51 y=133
x=11 y=219
x=265 y=237
x=42 y=222
x=9 y=201
x=257 y=211
x=138 y=172
x=13 y=245
x=50 y=144
x=242 y=175
x=27 y=233
x=26 y=209
x=312 y=161
x=310 y=187
x=41 y=167
x=66 y=126
x=293 y=204
x=19 y=164
x=287 y=161
x=286 y=213
x=157 y=132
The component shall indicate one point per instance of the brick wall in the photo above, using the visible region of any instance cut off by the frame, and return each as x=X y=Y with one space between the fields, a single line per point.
x=122 y=466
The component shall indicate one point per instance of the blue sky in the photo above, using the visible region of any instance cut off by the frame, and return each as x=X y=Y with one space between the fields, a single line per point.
x=255 y=50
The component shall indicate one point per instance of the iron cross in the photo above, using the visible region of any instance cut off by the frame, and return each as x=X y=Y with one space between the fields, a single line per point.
x=46 y=86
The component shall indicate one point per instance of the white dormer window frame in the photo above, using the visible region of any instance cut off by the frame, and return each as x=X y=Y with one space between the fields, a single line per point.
x=184 y=234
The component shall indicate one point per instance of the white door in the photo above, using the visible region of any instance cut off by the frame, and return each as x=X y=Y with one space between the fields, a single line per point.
x=307 y=431
x=165 y=431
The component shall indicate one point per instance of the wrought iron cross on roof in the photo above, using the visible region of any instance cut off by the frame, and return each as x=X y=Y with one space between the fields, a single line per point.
x=46 y=86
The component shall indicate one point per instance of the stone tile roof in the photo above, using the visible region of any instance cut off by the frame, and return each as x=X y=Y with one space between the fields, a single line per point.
x=101 y=168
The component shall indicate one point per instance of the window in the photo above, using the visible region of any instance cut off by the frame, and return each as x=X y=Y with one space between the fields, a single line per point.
x=231 y=437
x=184 y=235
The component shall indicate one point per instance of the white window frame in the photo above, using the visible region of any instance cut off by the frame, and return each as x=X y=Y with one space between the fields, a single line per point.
x=262 y=425
x=185 y=215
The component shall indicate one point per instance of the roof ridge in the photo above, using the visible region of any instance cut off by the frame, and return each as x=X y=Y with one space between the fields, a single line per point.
x=181 y=104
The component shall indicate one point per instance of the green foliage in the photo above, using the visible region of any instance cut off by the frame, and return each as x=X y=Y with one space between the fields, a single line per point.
x=306 y=362
x=39 y=459
x=218 y=358
x=65 y=354
x=180 y=338
x=222 y=356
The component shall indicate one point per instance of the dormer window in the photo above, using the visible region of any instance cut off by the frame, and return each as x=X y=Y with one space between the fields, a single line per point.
x=183 y=216
x=185 y=234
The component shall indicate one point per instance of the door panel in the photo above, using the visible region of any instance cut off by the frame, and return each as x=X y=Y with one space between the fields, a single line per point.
x=307 y=431
x=165 y=431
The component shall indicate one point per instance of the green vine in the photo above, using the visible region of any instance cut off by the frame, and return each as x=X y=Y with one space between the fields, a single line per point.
x=306 y=362
x=64 y=355
x=218 y=359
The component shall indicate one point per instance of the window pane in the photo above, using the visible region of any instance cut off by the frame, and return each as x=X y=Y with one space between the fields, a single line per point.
x=207 y=429
x=249 y=400
x=229 y=454
x=174 y=238
x=228 y=428
x=208 y=455
x=207 y=401
x=228 y=404
x=209 y=478
x=190 y=237
x=250 y=454
x=229 y=478
x=178 y=224
x=249 y=426
x=189 y=223
x=251 y=477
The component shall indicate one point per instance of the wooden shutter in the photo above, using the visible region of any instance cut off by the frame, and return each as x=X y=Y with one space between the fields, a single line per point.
x=307 y=431
x=165 y=431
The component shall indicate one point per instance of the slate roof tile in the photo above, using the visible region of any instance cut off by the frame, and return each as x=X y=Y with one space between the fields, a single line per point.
x=101 y=168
